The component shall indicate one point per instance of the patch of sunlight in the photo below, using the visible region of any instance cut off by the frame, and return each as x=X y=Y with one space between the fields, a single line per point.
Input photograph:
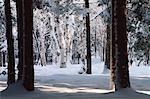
x=3 y=85
x=144 y=92
x=71 y=90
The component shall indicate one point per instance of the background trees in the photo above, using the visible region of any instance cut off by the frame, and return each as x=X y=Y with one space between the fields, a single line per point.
x=138 y=30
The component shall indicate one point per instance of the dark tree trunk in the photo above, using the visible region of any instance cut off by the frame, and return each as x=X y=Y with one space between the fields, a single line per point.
x=147 y=56
x=103 y=58
x=10 y=44
x=4 y=59
x=20 y=37
x=88 y=40
x=28 y=69
x=95 y=43
x=1 y=59
x=107 y=54
x=112 y=47
x=119 y=36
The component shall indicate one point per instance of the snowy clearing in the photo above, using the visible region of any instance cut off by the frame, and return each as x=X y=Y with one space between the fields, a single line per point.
x=52 y=82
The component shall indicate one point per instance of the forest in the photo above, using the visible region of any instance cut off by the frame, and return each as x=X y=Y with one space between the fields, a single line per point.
x=86 y=49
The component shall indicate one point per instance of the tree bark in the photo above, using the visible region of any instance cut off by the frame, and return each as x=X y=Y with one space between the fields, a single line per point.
x=107 y=55
x=119 y=36
x=107 y=51
x=20 y=38
x=88 y=40
x=28 y=70
x=10 y=44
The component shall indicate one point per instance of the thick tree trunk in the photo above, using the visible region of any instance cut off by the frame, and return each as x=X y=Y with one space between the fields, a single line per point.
x=10 y=44
x=119 y=36
x=20 y=38
x=88 y=40
x=28 y=70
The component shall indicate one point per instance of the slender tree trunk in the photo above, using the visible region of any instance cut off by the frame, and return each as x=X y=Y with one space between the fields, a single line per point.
x=28 y=70
x=1 y=58
x=4 y=59
x=42 y=48
x=103 y=49
x=147 y=56
x=107 y=55
x=20 y=38
x=88 y=40
x=119 y=30
x=37 y=46
x=95 y=42
x=112 y=47
x=10 y=44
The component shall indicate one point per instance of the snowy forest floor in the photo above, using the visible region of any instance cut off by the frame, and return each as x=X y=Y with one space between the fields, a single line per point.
x=52 y=82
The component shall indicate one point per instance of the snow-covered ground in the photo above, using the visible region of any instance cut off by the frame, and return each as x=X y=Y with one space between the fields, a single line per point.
x=52 y=82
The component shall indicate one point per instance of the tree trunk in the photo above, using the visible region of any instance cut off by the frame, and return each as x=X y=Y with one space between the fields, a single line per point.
x=107 y=55
x=103 y=49
x=107 y=52
x=28 y=70
x=4 y=59
x=147 y=56
x=112 y=47
x=88 y=40
x=119 y=30
x=95 y=44
x=10 y=44
x=20 y=38
x=42 y=48
x=1 y=58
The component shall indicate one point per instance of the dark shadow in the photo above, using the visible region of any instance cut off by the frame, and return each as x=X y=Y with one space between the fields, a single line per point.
x=41 y=93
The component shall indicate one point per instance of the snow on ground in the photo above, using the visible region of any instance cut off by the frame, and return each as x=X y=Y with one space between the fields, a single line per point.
x=52 y=82
x=47 y=92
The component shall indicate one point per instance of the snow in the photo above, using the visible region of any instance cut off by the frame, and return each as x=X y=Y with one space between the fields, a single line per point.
x=142 y=71
x=47 y=92
x=52 y=82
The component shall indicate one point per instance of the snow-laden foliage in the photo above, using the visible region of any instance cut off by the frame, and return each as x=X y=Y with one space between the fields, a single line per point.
x=138 y=29
x=2 y=27
x=59 y=29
